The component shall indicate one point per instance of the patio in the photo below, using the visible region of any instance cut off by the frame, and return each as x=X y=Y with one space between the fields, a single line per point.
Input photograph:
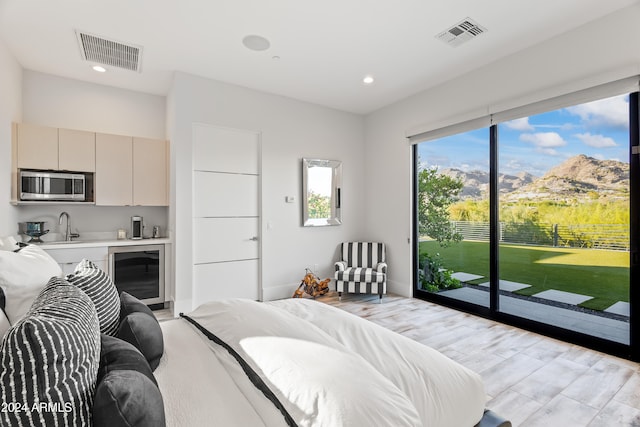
x=610 y=328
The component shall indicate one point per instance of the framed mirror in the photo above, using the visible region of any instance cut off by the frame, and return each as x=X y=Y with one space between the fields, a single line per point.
x=321 y=198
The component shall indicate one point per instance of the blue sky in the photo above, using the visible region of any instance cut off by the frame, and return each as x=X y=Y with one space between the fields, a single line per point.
x=535 y=144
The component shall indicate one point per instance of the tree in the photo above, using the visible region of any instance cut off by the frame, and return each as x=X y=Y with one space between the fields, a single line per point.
x=436 y=192
x=319 y=206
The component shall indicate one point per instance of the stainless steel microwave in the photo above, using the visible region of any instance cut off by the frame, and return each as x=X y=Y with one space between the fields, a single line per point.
x=62 y=186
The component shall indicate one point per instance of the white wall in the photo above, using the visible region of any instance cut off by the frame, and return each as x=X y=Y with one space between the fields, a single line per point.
x=290 y=130
x=60 y=102
x=602 y=51
x=10 y=111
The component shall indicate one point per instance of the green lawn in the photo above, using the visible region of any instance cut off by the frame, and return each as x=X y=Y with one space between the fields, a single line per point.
x=601 y=274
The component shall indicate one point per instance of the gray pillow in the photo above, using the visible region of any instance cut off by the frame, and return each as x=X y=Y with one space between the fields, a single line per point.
x=130 y=304
x=127 y=393
x=128 y=399
x=119 y=355
x=143 y=331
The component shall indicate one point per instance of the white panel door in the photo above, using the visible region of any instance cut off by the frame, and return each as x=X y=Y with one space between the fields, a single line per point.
x=226 y=213
x=225 y=194
x=237 y=151
x=224 y=239
x=235 y=279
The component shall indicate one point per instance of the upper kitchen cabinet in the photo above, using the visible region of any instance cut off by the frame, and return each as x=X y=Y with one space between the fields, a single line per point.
x=114 y=170
x=131 y=171
x=76 y=150
x=37 y=147
x=150 y=177
x=42 y=147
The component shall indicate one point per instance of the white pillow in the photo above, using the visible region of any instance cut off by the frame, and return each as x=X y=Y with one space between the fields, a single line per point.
x=8 y=243
x=22 y=276
x=4 y=325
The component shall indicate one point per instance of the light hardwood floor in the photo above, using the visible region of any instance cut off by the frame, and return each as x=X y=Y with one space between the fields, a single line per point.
x=530 y=379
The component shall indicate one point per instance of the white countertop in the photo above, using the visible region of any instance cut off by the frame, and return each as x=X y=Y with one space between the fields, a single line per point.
x=79 y=243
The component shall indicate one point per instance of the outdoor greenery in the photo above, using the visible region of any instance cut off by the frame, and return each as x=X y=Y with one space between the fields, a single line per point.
x=589 y=211
x=319 y=206
x=602 y=274
x=433 y=276
x=436 y=192
x=544 y=241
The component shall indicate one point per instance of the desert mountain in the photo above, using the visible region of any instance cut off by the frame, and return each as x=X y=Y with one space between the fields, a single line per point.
x=578 y=177
x=476 y=183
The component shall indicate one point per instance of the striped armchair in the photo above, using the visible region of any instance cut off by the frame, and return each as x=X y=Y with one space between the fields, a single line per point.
x=362 y=269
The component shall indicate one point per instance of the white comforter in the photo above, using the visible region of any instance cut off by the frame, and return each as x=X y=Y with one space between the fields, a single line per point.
x=327 y=367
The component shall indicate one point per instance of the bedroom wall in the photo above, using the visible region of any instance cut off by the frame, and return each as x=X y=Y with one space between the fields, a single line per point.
x=602 y=51
x=290 y=130
x=60 y=102
x=10 y=111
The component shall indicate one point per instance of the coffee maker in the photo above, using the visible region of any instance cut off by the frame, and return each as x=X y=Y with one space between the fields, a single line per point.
x=136 y=227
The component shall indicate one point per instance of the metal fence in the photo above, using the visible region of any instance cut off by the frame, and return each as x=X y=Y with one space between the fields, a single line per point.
x=593 y=236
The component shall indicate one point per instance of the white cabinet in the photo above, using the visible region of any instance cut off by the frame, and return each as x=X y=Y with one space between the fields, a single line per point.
x=131 y=171
x=114 y=170
x=37 y=147
x=150 y=176
x=76 y=150
x=68 y=259
x=41 y=147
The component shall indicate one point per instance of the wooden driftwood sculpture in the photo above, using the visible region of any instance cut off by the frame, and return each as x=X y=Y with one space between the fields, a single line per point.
x=311 y=285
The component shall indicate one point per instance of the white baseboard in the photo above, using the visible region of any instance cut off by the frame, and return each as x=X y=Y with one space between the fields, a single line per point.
x=402 y=289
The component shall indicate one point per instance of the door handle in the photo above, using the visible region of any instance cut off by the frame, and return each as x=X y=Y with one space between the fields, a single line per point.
x=254 y=238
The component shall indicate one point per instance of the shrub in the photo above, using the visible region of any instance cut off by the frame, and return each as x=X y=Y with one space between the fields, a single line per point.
x=433 y=277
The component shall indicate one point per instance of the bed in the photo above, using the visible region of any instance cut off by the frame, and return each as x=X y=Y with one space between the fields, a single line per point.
x=324 y=366
x=74 y=352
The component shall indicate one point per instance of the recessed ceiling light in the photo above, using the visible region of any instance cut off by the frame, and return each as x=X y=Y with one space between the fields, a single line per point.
x=99 y=69
x=367 y=80
x=256 y=43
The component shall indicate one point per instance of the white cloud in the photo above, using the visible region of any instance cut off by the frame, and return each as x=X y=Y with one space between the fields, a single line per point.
x=613 y=112
x=519 y=124
x=596 y=141
x=544 y=139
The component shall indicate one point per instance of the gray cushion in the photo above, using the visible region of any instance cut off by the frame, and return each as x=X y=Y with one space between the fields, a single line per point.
x=130 y=304
x=128 y=398
x=119 y=355
x=127 y=393
x=143 y=331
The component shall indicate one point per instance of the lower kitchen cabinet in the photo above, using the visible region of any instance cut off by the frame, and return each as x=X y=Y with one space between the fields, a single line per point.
x=68 y=259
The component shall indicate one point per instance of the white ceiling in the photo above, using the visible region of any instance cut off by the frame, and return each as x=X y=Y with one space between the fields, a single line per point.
x=325 y=47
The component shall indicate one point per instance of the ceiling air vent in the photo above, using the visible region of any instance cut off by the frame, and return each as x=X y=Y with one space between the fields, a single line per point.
x=109 y=52
x=463 y=31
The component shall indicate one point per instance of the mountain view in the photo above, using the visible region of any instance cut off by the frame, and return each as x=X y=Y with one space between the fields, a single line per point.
x=578 y=177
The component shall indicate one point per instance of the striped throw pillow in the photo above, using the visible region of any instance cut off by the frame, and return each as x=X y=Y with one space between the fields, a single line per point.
x=49 y=360
x=100 y=288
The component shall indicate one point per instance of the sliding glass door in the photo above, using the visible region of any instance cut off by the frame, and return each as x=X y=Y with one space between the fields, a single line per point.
x=453 y=217
x=531 y=221
x=564 y=218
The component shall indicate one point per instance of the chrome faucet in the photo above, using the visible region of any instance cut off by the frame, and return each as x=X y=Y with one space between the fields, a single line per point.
x=68 y=235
